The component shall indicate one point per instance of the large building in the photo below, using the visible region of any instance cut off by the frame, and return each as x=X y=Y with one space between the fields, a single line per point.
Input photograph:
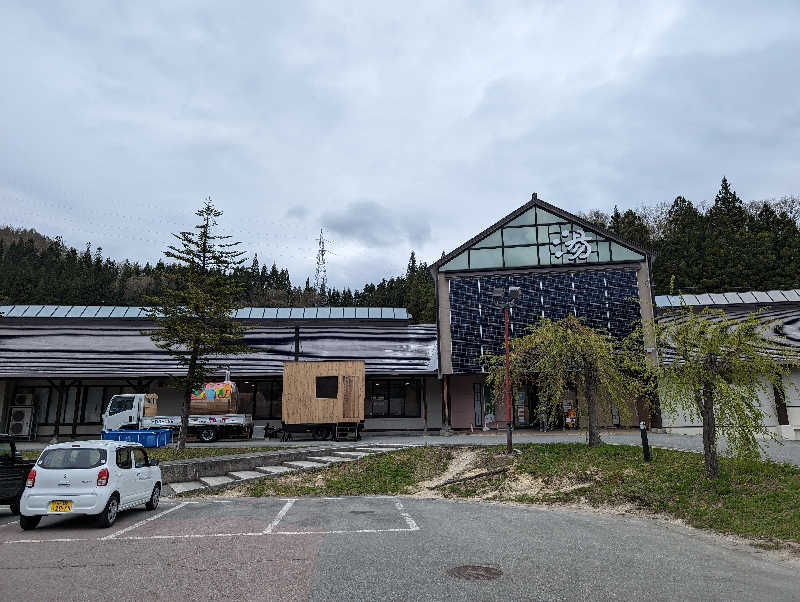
x=64 y=363
x=563 y=265
x=779 y=312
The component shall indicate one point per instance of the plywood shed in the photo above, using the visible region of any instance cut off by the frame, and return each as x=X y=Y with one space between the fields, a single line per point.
x=323 y=392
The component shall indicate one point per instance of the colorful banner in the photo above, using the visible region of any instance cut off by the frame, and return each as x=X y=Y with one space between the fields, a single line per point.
x=212 y=391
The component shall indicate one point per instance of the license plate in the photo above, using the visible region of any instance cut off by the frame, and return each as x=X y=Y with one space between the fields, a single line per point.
x=61 y=506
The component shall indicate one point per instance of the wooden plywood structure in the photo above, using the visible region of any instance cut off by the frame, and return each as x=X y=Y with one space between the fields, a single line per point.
x=300 y=385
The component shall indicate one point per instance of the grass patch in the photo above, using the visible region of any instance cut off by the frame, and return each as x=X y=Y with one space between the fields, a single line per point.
x=379 y=474
x=166 y=454
x=749 y=498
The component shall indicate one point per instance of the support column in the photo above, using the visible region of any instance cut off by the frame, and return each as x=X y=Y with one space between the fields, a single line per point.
x=446 y=429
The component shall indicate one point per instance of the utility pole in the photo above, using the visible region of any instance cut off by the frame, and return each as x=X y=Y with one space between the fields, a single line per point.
x=507 y=302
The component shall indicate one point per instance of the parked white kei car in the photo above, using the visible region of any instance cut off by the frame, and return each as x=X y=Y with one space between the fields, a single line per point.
x=98 y=478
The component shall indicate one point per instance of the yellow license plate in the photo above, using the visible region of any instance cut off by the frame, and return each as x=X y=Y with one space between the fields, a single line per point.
x=61 y=506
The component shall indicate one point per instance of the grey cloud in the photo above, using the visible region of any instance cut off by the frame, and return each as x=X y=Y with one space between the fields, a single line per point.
x=297 y=212
x=374 y=225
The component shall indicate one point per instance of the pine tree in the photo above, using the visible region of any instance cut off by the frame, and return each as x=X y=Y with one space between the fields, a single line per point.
x=195 y=323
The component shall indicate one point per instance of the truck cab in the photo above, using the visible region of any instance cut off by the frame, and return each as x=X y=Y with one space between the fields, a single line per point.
x=125 y=411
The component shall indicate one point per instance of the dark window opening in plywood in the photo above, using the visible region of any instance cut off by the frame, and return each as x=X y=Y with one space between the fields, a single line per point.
x=327 y=387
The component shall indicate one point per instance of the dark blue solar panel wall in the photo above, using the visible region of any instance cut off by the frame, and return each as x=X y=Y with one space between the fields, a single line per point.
x=607 y=299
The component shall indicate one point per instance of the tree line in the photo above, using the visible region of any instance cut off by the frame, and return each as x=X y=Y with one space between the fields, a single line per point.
x=707 y=247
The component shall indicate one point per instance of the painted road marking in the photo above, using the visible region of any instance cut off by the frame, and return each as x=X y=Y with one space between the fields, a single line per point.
x=145 y=521
x=280 y=515
x=412 y=524
x=47 y=540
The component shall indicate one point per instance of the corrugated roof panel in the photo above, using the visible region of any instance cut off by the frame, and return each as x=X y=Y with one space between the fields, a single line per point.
x=61 y=311
x=748 y=297
x=704 y=299
x=762 y=297
x=16 y=311
x=362 y=312
x=323 y=313
x=270 y=313
x=777 y=296
x=401 y=313
x=283 y=313
x=718 y=299
x=663 y=301
x=387 y=312
x=90 y=311
x=733 y=298
x=256 y=313
x=309 y=313
x=75 y=311
x=105 y=311
x=374 y=312
x=689 y=300
x=349 y=312
x=4 y=309
x=32 y=311
x=47 y=311
x=792 y=295
x=118 y=311
x=337 y=312
x=244 y=312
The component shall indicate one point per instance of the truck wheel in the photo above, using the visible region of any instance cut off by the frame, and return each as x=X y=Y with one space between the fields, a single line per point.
x=109 y=514
x=208 y=434
x=154 y=497
x=28 y=522
x=320 y=433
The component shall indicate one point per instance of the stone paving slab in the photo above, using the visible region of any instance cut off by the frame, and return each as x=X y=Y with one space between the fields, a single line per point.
x=213 y=481
x=304 y=464
x=354 y=455
x=186 y=486
x=275 y=469
x=330 y=459
x=243 y=475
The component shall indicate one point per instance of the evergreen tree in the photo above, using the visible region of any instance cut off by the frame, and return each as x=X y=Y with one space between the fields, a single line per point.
x=194 y=320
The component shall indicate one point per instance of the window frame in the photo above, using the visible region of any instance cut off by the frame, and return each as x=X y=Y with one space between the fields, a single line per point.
x=370 y=398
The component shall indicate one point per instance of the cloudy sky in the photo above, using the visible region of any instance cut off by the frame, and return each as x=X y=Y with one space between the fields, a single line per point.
x=395 y=126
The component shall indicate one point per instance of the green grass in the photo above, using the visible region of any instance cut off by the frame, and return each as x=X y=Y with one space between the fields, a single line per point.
x=749 y=498
x=379 y=474
x=166 y=454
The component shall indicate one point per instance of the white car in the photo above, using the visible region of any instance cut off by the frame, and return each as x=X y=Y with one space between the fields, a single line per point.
x=98 y=478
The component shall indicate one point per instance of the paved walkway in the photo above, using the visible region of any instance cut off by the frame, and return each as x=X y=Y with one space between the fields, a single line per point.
x=784 y=451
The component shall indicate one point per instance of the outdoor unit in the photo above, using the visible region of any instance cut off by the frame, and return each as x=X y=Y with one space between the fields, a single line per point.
x=20 y=421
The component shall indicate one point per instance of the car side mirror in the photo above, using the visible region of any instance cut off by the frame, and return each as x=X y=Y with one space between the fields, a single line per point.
x=154 y=462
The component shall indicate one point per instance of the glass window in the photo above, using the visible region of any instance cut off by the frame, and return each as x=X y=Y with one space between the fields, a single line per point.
x=268 y=400
x=545 y=217
x=124 y=457
x=139 y=458
x=493 y=240
x=276 y=401
x=519 y=236
x=521 y=256
x=413 y=401
x=120 y=403
x=526 y=219
x=393 y=398
x=61 y=458
x=459 y=262
x=603 y=251
x=397 y=398
x=486 y=258
x=621 y=253
x=327 y=387
x=377 y=398
x=93 y=404
x=70 y=399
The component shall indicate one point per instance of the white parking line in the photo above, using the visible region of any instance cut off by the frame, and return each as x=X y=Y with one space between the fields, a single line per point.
x=412 y=525
x=279 y=516
x=47 y=540
x=147 y=520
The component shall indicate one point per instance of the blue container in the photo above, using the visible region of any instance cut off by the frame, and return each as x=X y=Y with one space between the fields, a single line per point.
x=148 y=438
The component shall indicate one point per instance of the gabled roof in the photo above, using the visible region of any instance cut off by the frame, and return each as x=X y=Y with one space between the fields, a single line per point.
x=733 y=298
x=535 y=202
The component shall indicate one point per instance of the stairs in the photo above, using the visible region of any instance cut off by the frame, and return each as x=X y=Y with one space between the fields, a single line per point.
x=310 y=460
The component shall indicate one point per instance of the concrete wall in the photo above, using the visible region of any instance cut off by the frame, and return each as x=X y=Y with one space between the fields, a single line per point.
x=682 y=423
x=462 y=400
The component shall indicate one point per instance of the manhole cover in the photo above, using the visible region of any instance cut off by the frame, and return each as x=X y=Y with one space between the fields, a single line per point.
x=475 y=572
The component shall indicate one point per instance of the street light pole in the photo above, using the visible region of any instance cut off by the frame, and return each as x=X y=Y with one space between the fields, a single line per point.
x=509 y=448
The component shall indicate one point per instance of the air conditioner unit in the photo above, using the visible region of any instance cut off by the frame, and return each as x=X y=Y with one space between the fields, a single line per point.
x=20 y=421
x=23 y=399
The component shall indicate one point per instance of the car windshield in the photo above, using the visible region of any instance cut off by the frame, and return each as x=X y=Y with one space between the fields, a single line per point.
x=72 y=458
x=120 y=403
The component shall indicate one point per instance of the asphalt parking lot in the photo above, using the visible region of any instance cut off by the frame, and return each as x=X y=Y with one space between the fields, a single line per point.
x=379 y=548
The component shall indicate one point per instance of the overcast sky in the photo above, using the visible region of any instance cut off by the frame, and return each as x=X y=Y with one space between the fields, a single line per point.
x=395 y=126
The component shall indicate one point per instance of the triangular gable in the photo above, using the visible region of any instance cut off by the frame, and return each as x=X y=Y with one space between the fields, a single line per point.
x=539 y=235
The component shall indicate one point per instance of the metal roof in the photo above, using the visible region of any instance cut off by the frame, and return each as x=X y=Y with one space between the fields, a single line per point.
x=245 y=313
x=722 y=299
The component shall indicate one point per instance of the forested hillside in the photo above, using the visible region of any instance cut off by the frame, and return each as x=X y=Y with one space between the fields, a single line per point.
x=720 y=246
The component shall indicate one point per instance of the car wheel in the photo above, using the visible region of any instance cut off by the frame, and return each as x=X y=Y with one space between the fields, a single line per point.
x=208 y=434
x=28 y=522
x=154 y=497
x=109 y=514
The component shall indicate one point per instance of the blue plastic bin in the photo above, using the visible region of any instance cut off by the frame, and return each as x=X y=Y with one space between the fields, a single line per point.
x=149 y=438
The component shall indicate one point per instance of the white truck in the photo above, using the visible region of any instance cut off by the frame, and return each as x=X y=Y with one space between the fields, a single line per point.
x=134 y=411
